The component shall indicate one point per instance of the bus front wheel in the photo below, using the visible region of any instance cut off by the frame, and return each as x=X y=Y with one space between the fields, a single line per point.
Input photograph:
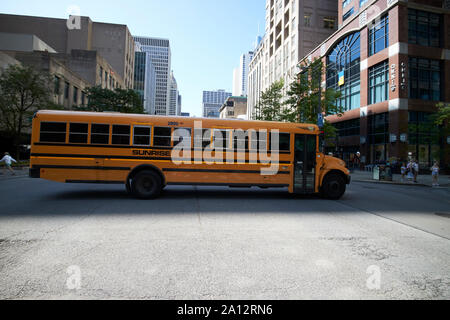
x=146 y=185
x=333 y=187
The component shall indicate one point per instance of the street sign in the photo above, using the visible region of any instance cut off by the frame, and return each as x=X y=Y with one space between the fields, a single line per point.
x=320 y=120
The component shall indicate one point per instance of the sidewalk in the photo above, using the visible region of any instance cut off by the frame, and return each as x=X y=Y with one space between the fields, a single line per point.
x=20 y=172
x=423 y=180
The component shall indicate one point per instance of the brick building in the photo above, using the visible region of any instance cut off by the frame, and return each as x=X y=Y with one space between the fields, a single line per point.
x=390 y=60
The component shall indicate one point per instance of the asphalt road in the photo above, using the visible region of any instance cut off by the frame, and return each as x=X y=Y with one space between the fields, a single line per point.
x=93 y=242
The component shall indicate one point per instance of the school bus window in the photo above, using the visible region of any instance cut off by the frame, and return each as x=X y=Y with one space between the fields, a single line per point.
x=258 y=140
x=221 y=139
x=142 y=136
x=78 y=133
x=182 y=135
x=162 y=137
x=284 y=142
x=204 y=136
x=121 y=135
x=54 y=132
x=100 y=134
x=240 y=140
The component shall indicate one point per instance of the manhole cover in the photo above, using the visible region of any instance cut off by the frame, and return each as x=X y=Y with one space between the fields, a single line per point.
x=445 y=215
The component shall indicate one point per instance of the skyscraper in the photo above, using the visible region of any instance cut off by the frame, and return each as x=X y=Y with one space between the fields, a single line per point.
x=174 y=96
x=293 y=28
x=145 y=79
x=240 y=75
x=160 y=55
x=212 y=101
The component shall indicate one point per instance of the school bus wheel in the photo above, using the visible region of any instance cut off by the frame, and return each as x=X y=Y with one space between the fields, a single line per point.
x=333 y=186
x=146 y=185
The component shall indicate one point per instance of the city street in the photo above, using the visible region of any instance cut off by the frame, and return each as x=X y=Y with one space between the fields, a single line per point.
x=220 y=243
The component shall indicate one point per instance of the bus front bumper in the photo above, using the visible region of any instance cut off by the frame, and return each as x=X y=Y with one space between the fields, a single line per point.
x=35 y=173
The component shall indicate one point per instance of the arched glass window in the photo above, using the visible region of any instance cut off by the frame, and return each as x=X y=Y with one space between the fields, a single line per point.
x=343 y=71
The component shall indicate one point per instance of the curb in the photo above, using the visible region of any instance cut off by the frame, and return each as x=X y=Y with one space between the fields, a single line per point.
x=393 y=183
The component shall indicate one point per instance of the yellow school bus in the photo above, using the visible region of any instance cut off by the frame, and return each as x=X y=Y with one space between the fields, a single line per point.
x=146 y=153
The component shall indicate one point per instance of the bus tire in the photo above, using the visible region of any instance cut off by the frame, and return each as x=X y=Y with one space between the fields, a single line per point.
x=146 y=185
x=333 y=187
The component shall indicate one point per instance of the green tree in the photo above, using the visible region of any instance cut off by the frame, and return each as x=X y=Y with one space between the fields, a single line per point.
x=23 y=91
x=303 y=98
x=443 y=114
x=119 y=100
x=269 y=107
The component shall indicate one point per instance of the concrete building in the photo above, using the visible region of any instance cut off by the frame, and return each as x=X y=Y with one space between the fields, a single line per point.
x=234 y=108
x=212 y=101
x=89 y=65
x=145 y=80
x=112 y=41
x=293 y=28
x=68 y=86
x=390 y=60
x=160 y=56
x=240 y=75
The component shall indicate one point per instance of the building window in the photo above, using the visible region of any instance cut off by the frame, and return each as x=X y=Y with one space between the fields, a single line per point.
x=83 y=98
x=424 y=79
x=75 y=95
x=329 y=23
x=343 y=71
x=349 y=128
x=66 y=90
x=379 y=35
x=348 y=14
x=378 y=129
x=307 y=20
x=101 y=75
x=423 y=138
x=57 y=85
x=362 y=2
x=424 y=28
x=346 y=3
x=379 y=83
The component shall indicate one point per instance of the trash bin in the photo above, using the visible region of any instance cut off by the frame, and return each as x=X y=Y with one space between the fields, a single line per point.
x=388 y=174
x=376 y=173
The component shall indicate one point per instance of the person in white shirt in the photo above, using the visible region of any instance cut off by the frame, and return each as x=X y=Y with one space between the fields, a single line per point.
x=435 y=174
x=7 y=159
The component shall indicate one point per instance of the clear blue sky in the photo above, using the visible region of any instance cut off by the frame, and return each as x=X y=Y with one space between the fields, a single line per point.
x=207 y=37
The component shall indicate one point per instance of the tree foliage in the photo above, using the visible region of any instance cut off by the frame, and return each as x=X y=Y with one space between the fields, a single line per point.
x=302 y=101
x=269 y=107
x=118 y=100
x=443 y=114
x=23 y=91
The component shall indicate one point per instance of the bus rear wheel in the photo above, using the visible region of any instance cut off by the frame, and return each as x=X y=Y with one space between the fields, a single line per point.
x=333 y=187
x=146 y=185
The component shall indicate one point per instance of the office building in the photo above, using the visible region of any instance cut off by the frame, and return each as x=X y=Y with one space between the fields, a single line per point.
x=240 y=75
x=234 y=108
x=160 y=55
x=390 y=60
x=175 y=98
x=113 y=42
x=145 y=79
x=212 y=101
x=293 y=28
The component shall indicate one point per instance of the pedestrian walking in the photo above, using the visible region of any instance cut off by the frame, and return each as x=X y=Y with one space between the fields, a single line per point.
x=415 y=170
x=7 y=159
x=435 y=174
x=410 y=171
x=403 y=171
